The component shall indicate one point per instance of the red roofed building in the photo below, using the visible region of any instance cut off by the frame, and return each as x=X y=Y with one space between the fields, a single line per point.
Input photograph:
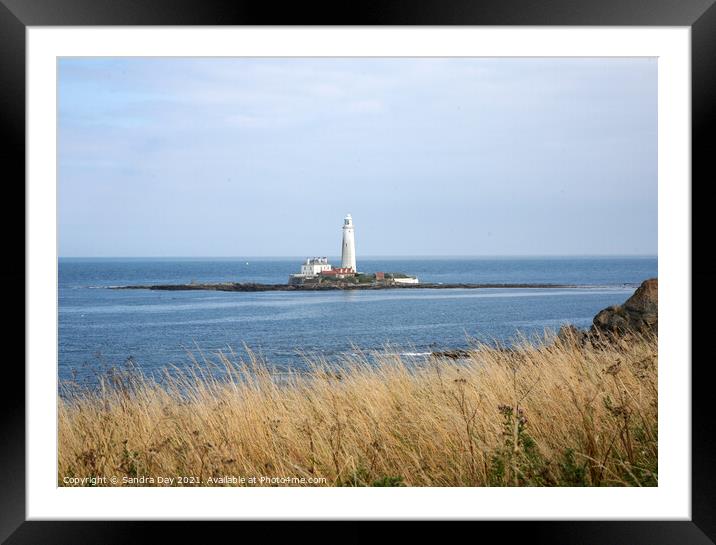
x=339 y=272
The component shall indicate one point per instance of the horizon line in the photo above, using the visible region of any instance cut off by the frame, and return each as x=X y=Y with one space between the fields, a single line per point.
x=371 y=256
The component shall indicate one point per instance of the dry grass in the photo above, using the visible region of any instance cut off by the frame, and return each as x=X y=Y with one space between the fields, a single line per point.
x=552 y=414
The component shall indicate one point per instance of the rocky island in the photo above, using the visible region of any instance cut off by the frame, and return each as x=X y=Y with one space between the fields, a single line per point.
x=358 y=282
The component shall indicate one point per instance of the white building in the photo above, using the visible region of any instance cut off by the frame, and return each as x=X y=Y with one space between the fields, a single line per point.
x=348 y=253
x=315 y=265
x=406 y=280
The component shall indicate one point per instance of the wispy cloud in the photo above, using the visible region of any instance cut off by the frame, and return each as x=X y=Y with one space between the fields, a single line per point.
x=228 y=145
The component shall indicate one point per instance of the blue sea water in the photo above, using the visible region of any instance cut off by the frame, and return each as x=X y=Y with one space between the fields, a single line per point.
x=100 y=327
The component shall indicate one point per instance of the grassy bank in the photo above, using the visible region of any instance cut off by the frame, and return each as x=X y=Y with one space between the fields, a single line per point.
x=556 y=414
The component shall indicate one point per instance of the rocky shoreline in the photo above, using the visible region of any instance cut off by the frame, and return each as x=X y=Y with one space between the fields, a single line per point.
x=253 y=287
x=637 y=316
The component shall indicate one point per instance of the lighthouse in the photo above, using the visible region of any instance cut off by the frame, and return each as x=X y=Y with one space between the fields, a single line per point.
x=348 y=253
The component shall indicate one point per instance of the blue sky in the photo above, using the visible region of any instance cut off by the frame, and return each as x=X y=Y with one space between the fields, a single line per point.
x=264 y=157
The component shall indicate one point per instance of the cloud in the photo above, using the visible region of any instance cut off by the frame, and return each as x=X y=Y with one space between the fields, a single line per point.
x=299 y=137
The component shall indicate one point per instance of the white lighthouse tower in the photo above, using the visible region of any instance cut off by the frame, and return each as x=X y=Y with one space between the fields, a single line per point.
x=348 y=254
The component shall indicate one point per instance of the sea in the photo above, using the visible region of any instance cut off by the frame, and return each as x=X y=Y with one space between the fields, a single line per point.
x=101 y=327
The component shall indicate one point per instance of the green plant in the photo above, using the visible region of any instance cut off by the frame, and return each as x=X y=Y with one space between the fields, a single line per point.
x=517 y=461
x=571 y=472
x=128 y=462
x=388 y=481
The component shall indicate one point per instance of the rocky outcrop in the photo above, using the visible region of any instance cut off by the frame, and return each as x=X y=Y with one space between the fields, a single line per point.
x=569 y=334
x=325 y=286
x=638 y=314
x=456 y=354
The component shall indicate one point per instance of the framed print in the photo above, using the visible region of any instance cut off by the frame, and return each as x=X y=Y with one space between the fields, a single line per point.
x=400 y=267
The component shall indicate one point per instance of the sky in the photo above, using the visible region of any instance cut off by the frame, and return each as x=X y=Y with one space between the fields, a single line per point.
x=432 y=156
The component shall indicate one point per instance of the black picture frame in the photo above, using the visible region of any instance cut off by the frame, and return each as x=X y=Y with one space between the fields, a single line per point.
x=17 y=15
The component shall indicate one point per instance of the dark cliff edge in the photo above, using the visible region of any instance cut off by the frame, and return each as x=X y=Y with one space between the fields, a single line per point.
x=638 y=315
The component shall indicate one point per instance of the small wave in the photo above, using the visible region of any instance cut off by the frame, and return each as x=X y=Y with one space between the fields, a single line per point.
x=414 y=353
